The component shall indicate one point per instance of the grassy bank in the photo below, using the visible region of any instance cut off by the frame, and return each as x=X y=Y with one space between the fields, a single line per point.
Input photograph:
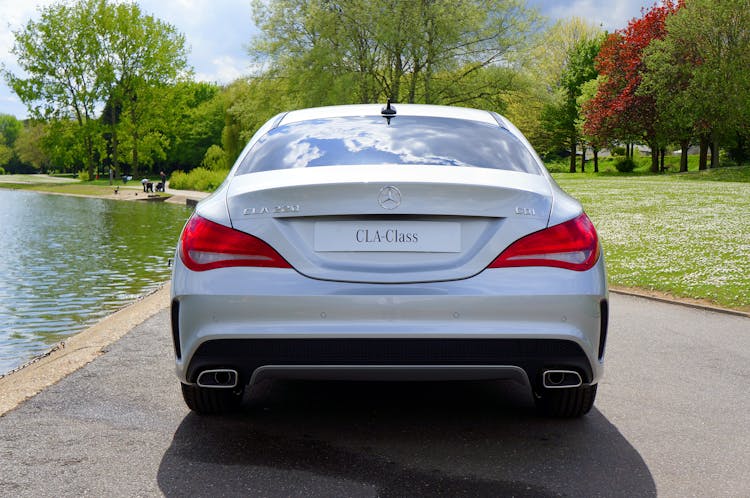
x=55 y=185
x=687 y=235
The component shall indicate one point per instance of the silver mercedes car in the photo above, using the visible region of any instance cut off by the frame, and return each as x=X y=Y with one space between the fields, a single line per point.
x=396 y=242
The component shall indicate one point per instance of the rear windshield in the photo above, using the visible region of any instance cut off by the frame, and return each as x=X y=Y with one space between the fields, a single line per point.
x=371 y=140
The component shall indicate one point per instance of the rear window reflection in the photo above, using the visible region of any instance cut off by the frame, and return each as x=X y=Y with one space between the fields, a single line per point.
x=372 y=141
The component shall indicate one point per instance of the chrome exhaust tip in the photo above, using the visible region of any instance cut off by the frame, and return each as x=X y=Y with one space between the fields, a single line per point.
x=222 y=378
x=561 y=379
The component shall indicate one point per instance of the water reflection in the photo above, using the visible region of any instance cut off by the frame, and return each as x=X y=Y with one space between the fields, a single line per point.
x=66 y=262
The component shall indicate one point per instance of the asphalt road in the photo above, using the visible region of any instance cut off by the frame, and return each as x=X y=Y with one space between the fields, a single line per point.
x=671 y=419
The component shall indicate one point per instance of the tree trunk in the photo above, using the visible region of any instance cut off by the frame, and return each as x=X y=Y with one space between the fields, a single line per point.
x=430 y=41
x=113 y=123
x=596 y=160
x=115 y=159
x=84 y=121
x=703 y=158
x=684 y=146
x=654 y=158
x=413 y=87
x=397 y=75
x=136 y=137
x=583 y=158
x=714 y=151
x=89 y=144
x=662 y=153
x=573 y=144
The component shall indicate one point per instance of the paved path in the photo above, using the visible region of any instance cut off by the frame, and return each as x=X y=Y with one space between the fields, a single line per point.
x=671 y=419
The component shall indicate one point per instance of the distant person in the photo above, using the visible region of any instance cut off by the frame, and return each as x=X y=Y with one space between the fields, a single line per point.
x=163 y=180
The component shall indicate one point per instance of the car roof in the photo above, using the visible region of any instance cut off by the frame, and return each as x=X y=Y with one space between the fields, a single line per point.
x=421 y=110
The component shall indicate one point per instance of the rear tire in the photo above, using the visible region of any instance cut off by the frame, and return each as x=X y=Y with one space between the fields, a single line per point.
x=206 y=401
x=573 y=402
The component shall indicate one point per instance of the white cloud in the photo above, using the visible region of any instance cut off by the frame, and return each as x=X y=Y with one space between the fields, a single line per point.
x=224 y=69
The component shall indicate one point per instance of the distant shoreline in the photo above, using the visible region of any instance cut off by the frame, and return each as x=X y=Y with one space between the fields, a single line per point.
x=61 y=186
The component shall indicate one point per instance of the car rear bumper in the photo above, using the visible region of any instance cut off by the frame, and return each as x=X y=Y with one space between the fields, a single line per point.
x=503 y=323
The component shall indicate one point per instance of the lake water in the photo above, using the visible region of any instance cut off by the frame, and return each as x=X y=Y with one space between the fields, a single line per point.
x=66 y=262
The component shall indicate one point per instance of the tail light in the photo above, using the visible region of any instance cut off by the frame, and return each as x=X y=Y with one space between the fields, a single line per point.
x=206 y=245
x=572 y=245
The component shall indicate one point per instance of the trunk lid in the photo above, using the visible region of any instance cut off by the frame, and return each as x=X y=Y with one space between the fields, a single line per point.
x=389 y=224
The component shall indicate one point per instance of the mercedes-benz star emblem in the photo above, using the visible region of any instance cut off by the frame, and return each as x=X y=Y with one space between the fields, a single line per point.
x=389 y=197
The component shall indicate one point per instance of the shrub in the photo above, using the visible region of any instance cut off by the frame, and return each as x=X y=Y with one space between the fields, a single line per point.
x=200 y=179
x=618 y=151
x=178 y=180
x=83 y=175
x=625 y=165
x=215 y=159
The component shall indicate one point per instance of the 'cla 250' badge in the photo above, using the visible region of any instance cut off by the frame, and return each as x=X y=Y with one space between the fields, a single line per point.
x=285 y=209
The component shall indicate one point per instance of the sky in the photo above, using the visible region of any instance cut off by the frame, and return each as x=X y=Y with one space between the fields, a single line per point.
x=217 y=31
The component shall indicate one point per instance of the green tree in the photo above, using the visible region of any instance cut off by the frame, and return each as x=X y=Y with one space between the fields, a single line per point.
x=579 y=71
x=215 y=159
x=10 y=129
x=144 y=126
x=669 y=68
x=550 y=56
x=588 y=92
x=139 y=55
x=249 y=104
x=561 y=117
x=198 y=117
x=6 y=154
x=412 y=51
x=81 y=55
x=60 y=55
x=63 y=144
x=542 y=108
x=29 y=147
x=524 y=107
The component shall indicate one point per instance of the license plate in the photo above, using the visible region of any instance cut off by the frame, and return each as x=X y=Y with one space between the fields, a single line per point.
x=384 y=236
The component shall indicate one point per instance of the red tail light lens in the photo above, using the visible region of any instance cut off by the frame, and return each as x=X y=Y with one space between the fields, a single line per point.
x=206 y=245
x=572 y=245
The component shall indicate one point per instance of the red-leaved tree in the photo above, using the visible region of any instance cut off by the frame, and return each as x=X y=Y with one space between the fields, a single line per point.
x=618 y=111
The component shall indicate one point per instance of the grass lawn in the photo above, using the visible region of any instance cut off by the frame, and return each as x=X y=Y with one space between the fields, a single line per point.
x=643 y=168
x=684 y=234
